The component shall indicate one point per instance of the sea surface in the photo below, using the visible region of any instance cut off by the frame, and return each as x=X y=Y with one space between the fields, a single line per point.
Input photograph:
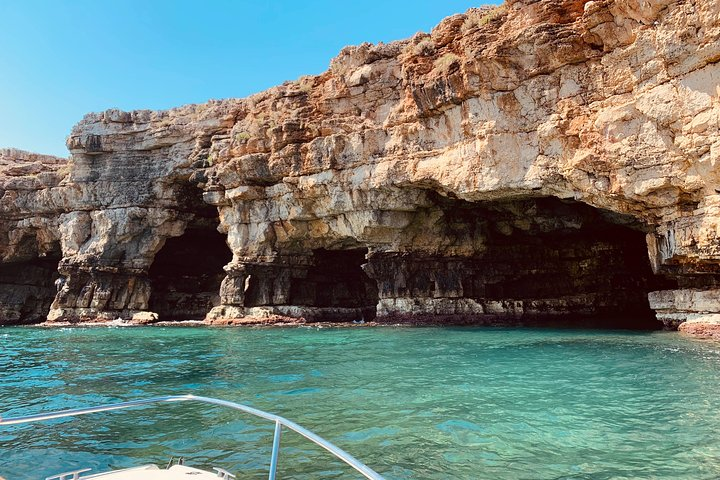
x=412 y=403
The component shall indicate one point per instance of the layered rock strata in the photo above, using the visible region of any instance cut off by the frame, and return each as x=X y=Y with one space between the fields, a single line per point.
x=535 y=161
x=31 y=202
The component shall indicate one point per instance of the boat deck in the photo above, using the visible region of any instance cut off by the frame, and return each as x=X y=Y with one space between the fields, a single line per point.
x=152 y=472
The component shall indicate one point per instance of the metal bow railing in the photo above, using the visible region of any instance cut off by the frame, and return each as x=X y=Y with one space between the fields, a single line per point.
x=280 y=422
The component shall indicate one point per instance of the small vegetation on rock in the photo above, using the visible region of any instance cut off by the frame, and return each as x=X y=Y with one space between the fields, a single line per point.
x=478 y=17
x=445 y=61
x=424 y=48
x=242 y=137
x=306 y=83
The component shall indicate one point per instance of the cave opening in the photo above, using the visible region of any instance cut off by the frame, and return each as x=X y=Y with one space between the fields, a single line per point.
x=28 y=286
x=569 y=263
x=338 y=286
x=542 y=261
x=186 y=273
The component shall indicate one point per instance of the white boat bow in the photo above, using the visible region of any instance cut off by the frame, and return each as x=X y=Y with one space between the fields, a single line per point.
x=177 y=472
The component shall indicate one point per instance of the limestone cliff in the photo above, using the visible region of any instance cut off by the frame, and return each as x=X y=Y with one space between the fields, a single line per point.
x=539 y=160
x=30 y=209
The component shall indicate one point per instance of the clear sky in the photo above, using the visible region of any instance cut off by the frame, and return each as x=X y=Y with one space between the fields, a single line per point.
x=62 y=59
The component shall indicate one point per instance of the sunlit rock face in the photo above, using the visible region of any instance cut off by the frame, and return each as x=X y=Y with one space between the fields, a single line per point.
x=541 y=160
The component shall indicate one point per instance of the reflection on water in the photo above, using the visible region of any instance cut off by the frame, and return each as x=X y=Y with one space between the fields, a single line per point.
x=425 y=403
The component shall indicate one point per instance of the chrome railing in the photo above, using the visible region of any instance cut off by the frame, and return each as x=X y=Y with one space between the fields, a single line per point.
x=280 y=422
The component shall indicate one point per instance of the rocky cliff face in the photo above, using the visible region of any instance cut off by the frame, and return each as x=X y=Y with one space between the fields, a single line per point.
x=31 y=204
x=540 y=160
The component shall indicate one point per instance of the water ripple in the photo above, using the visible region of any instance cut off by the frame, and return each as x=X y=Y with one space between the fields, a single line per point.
x=414 y=403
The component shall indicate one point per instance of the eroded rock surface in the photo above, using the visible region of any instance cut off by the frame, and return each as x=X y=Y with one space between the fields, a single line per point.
x=31 y=205
x=538 y=160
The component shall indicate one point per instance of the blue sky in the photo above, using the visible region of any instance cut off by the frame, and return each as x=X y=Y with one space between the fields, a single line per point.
x=62 y=59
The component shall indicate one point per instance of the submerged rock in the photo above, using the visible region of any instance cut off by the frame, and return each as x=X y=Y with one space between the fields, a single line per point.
x=525 y=163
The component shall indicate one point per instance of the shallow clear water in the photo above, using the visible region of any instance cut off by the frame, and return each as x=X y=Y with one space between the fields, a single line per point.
x=427 y=403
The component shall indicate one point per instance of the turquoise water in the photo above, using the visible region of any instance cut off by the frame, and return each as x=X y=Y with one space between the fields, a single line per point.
x=427 y=403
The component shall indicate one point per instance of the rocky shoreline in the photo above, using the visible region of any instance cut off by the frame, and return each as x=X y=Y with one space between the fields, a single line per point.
x=697 y=331
x=410 y=321
x=707 y=328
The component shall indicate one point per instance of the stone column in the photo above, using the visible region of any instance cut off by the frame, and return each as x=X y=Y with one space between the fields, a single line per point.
x=259 y=288
x=97 y=293
x=687 y=250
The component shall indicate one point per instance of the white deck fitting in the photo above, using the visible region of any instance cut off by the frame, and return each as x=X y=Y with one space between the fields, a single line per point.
x=152 y=472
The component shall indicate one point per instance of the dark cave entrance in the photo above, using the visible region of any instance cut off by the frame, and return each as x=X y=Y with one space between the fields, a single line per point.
x=543 y=261
x=27 y=287
x=187 y=271
x=567 y=262
x=337 y=284
x=186 y=274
